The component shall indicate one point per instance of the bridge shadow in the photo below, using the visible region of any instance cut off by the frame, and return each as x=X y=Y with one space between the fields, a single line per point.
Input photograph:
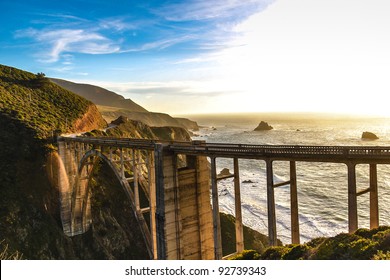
x=114 y=232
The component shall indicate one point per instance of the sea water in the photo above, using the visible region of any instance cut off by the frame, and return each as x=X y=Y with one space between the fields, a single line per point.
x=322 y=187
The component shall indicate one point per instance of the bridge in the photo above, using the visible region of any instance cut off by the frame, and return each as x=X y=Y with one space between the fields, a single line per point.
x=181 y=218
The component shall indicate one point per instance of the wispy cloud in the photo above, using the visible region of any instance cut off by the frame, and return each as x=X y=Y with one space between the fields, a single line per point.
x=158 y=45
x=118 y=24
x=69 y=41
x=198 y=10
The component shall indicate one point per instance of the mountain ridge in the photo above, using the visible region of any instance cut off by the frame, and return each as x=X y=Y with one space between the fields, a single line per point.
x=112 y=105
x=99 y=95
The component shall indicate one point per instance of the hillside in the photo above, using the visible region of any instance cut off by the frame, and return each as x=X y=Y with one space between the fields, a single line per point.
x=100 y=96
x=112 y=105
x=32 y=111
x=363 y=244
x=149 y=118
x=36 y=103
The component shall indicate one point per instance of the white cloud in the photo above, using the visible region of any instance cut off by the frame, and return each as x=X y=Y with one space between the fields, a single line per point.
x=158 y=45
x=206 y=10
x=117 y=23
x=63 y=41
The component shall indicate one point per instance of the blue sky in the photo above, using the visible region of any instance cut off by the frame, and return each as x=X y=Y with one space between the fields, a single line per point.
x=200 y=56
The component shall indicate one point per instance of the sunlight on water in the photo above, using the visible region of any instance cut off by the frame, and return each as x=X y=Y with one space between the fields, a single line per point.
x=322 y=187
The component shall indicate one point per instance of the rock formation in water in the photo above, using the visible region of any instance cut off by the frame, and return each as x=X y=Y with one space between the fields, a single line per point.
x=369 y=135
x=225 y=172
x=263 y=126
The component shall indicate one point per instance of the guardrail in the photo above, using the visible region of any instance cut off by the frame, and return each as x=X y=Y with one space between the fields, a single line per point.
x=293 y=152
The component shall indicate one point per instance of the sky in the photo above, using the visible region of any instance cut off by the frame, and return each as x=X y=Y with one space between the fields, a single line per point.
x=202 y=56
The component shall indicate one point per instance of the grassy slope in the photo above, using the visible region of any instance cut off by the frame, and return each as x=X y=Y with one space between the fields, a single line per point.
x=364 y=244
x=253 y=240
x=38 y=104
x=31 y=109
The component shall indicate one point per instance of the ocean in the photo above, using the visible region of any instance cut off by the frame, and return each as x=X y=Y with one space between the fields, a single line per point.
x=322 y=187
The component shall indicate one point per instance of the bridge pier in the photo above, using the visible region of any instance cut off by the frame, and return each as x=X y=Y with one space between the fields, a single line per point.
x=183 y=212
x=216 y=218
x=295 y=236
x=352 y=198
x=374 y=210
x=237 y=206
x=272 y=235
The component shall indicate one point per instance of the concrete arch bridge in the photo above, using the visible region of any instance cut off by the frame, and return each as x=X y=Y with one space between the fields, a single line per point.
x=179 y=178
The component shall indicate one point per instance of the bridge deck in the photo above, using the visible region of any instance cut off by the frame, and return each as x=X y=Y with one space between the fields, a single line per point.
x=337 y=154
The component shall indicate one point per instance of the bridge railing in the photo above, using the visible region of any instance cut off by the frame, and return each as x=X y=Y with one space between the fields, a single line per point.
x=244 y=150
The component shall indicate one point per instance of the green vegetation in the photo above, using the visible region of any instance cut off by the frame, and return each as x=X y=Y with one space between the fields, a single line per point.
x=32 y=109
x=37 y=103
x=253 y=240
x=364 y=244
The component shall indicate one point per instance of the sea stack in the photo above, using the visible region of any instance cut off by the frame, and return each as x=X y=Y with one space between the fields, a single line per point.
x=263 y=126
x=369 y=135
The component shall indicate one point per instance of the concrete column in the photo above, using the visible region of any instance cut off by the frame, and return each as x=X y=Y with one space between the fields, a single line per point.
x=160 y=202
x=238 y=211
x=136 y=174
x=167 y=205
x=272 y=235
x=205 y=213
x=216 y=218
x=374 y=210
x=295 y=238
x=352 y=198
x=152 y=202
x=122 y=164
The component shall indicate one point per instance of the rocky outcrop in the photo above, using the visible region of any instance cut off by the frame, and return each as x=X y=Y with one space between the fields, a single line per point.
x=225 y=172
x=263 y=126
x=92 y=119
x=149 y=118
x=119 y=120
x=369 y=136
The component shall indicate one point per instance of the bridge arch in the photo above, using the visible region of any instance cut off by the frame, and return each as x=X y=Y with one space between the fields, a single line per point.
x=81 y=196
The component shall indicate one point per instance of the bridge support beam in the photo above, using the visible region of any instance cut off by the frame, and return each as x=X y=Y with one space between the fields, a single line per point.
x=374 y=210
x=216 y=218
x=352 y=198
x=160 y=202
x=183 y=210
x=152 y=202
x=272 y=235
x=295 y=238
x=238 y=210
x=167 y=205
x=195 y=209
